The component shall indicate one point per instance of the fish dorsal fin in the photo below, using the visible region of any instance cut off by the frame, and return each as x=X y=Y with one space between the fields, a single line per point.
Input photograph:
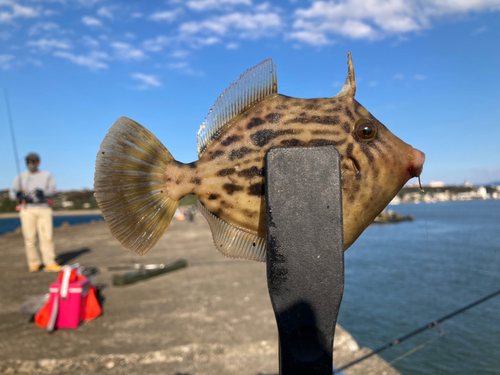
x=234 y=242
x=349 y=88
x=253 y=85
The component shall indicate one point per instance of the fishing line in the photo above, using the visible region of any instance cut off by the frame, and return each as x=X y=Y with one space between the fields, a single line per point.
x=417 y=331
x=425 y=212
x=427 y=234
x=409 y=352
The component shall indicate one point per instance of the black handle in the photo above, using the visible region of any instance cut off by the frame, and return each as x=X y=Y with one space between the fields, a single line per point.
x=305 y=254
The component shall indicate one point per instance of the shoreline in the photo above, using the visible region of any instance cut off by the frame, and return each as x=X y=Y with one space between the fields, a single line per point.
x=14 y=215
x=96 y=211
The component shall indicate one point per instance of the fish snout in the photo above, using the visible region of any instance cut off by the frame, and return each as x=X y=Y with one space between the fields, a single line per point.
x=417 y=163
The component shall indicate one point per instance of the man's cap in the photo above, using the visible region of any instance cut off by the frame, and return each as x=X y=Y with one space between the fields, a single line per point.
x=33 y=156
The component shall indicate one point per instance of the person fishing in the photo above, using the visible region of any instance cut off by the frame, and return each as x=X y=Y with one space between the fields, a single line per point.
x=32 y=189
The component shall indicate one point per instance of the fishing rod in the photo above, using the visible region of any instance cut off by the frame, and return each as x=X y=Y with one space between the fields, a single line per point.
x=14 y=144
x=418 y=330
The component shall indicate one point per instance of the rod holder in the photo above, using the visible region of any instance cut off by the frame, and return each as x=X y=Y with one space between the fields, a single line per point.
x=305 y=254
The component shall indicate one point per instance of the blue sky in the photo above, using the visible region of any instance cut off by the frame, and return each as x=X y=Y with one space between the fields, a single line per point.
x=428 y=69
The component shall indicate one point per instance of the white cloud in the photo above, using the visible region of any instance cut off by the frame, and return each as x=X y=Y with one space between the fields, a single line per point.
x=105 y=12
x=419 y=77
x=201 y=5
x=5 y=35
x=48 y=44
x=178 y=65
x=197 y=34
x=357 y=30
x=91 y=21
x=92 y=61
x=209 y=41
x=49 y=12
x=398 y=76
x=157 y=44
x=185 y=68
x=35 y=62
x=445 y=7
x=124 y=51
x=314 y=38
x=374 y=19
x=232 y=46
x=130 y=35
x=137 y=15
x=250 y=25
x=90 y=42
x=88 y=3
x=264 y=7
x=479 y=30
x=180 y=54
x=41 y=27
x=148 y=81
x=5 y=61
x=372 y=83
x=169 y=15
x=17 y=11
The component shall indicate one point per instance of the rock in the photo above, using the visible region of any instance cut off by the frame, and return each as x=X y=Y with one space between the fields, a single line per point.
x=389 y=216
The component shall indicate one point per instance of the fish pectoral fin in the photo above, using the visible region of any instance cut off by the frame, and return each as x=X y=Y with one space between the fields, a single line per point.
x=234 y=242
x=129 y=185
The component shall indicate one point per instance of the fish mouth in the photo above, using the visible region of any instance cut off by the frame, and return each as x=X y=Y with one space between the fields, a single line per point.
x=417 y=163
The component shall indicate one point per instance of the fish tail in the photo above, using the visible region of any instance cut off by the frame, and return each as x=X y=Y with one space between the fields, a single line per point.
x=129 y=185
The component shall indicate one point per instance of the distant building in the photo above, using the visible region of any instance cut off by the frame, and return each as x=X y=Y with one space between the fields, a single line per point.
x=411 y=184
x=436 y=184
x=482 y=193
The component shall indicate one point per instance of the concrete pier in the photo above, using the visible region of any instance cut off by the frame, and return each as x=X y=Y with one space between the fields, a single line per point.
x=213 y=317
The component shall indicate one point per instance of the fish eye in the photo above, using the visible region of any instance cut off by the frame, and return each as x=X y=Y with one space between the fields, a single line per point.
x=366 y=130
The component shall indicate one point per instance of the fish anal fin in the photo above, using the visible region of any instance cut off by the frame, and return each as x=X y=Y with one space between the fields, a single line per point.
x=234 y=242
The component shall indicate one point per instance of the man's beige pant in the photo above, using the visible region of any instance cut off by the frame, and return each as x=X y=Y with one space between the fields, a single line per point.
x=33 y=220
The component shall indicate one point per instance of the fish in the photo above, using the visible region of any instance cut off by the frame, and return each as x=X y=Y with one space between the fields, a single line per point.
x=138 y=183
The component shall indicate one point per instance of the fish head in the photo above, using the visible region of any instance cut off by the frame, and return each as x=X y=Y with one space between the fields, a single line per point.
x=375 y=163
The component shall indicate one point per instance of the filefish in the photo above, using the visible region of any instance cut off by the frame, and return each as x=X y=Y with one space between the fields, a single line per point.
x=138 y=183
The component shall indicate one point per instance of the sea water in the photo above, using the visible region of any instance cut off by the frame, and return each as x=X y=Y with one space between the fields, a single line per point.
x=402 y=276
x=8 y=225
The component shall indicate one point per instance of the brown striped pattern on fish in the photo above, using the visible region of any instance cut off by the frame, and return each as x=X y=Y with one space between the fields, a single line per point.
x=230 y=173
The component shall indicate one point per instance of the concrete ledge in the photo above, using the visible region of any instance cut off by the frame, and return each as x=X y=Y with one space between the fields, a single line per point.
x=213 y=317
